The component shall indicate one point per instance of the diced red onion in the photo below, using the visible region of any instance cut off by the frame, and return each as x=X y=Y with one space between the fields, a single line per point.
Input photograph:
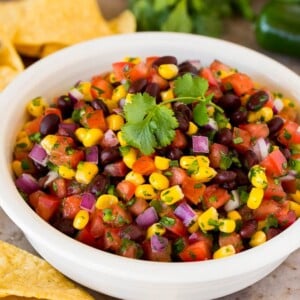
x=75 y=94
x=39 y=155
x=185 y=213
x=158 y=243
x=67 y=129
x=27 y=183
x=87 y=201
x=200 y=144
x=132 y=232
x=147 y=217
x=109 y=139
x=234 y=202
x=122 y=103
x=118 y=110
x=261 y=148
x=278 y=105
x=52 y=175
x=212 y=124
x=92 y=154
x=194 y=237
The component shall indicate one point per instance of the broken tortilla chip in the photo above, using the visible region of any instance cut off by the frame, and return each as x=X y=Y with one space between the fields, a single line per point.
x=125 y=22
x=23 y=274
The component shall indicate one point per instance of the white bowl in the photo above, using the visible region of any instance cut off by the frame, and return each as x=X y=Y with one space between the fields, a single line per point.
x=111 y=274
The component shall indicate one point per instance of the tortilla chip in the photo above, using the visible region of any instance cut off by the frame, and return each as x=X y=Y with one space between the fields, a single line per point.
x=61 y=22
x=123 y=23
x=25 y=275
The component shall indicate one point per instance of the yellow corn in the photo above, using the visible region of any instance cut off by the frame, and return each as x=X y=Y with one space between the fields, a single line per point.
x=112 y=77
x=188 y=161
x=222 y=73
x=203 y=161
x=204 y=174
x=155 y=229
x=193 y=128
x=128 y=98
x=17 y=167
x=261 y=224
x=106 y=201
x=48 y=142
x=89 y=137
x=234 y=215
x=257 y=176
x=66 y=172
x=134 y=60
x=171 y=195
x=210 y=111
x=115 y=122
x=111 y=104
x=24 y=144
x=167 y=95
x=119 y=92
x=194 y=227
x=264 y=114
x=296 y=196
x=159 y=181
x=81 y=219
x=227 y=225
x=208 y=219
x=168 y=71
x=255 y=197
x=295 y=207
x=288 y=102
x=161 y=163
x=258 y=238
x=121 y=139
x=84 y=87
x=145 y=191
x=130 y=157
x=224 y=251
x=135 y=178
x=36 y=107
x=81 y=133
x=21 y=133
x=85 y=172
x=244 y=99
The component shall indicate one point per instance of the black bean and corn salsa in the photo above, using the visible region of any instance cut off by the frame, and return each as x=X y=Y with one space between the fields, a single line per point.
x=163 y=160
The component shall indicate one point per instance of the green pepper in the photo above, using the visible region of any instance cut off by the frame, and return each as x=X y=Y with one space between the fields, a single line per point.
x=278 y=27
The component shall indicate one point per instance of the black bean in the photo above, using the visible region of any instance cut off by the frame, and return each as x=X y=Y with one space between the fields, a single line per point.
x=230 y=185
x=99 y=184
x=187 y=67
x=248 y=228
x=224 y=136
x=65 y=104
x=238 y=117
x=153 y=90
x=165 y=60
x=286 y=152
x=183 y=122
x=257 y=100
x=109 y=155
x=183 y=108
x=250 y=159
x=64 y=225
x=174 y=153
x=224 y=176
x=229 y=102
x=99 y=104
x=49 y=124
x=138 y=86
x=275 y=125
x=241 y=177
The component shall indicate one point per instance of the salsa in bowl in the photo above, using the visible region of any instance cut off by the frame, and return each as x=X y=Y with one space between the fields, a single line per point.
x=171 y=155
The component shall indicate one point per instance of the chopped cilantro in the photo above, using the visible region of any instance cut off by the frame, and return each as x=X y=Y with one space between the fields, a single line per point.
x=225 y=161
x=167 y=221
x=25 y=164
x=178 y=245
x=35 y=137
x=238 y=140
x=287 y=135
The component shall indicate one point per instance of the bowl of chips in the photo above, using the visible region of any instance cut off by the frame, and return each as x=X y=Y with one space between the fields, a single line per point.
x=105 y=272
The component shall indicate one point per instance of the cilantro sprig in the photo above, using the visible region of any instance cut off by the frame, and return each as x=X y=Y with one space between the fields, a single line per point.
x=150 y=125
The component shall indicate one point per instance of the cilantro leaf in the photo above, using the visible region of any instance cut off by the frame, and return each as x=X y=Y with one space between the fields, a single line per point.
x=200 y=114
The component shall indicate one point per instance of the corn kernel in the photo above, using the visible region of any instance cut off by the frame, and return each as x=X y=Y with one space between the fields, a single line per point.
x=130 y=157
x=257 y=176
x=89 y=137
x=261 y=224
x=234 y=215
x=264 y=114
x=48 y=142
x=36 y=107
x=204 y=174
x=115 y=122
x=258 y=238
x=255 y=197
x=161 y=163
x=168 y=71
x=66 y=172
x=155 y=229
x=224 y=251
x=159 y=181
x=227 y=225
x=145 y=191
x=121 y=139
x=244 y=99
x=225 y=73
x=24 y=144
x=84 y=87
x=134 y=60
x=171 y=195
x=135 y=178
x=295 y=207
x=81 y=219
x=167 y=95
x=112 y=77
x=111 y=104
x=203 y=161
x=106 y=201
x=208 y=219
x=194 y=226
x=193 y=128
x=210 y=111
x=119 y=92
x=287 y=102
x=296 y=196
x=85 y=172
x=187 y=161
x=81 y=133
x=17 y=167
x=128 y=98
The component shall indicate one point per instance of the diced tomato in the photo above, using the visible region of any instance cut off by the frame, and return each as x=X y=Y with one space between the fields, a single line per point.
x=118 y=216
x=73 y=187
x=96 y=225
x=138 y=206
x=150 y=60
x=34 y=198
x=217 y=151
x=139 y=71
x=289 y=134
x=196 y=252
x=289 y=113
x=274 y=190
x=126 y=189
x=94 y=119
x=53 y=110
x=85 y=236
x=233 y=239
x=144 y=165
x=289 y=185
x=176 y=175
x=215 y=196
x=112 y=239
x=209 y=76
x=47 y=206
x=216 y=66
x=33 y=126
x=58 y=188
x=241 y=139
x=267 y=207
x=116 y=169
x=130 y=249
x=71 y=206
x=121 y=70
x=176 y=226
x=179 y=140
x=63 y=158
x=200 y=236
x=162 y=256
x=275 y=164
x=101 y=88
x=193 y=190
x=154 y=77
x=215 y=91
x=239 y=82
x=259 y=130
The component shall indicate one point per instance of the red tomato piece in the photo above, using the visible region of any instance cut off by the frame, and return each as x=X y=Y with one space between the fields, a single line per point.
x=96 y=224
x=139 y=71
x=275 y=164
x=215 y=154
x=196 y=252
x=209 y=76
x=126 y=189
x=154 y=77
x=112 y=239
x=259 y=130
x=176 y=175
x=116 y=169
x=144 y=165
x=216 y=66
x=53 y=110
x=130 y=249
x=94 y=119
x=47 y=206
x=85 y=236
x=179 y=140
x=58 y=188
x=193 y=190
x=101 y=88
x=241 y=139
x=163 y=256
x=239 y=82
x=33 y=126
x=176 y=226
x=267 y=207
x=121 y=70
x=215 y=196
x=274 y=190
x=233 y=239
x=289 y=134
x=71 y=206
x=138 y=206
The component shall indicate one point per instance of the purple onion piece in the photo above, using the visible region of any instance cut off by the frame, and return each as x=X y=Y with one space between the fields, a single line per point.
x=75 y=95
x=27 y=183
x=147 y=217
x=200 y=144
x=194 y=237
x=110 y=138
x=67 y=129
x=184 y=212
x=92 y=154
x=87 y=201
x=39 y=155
x=158 y=243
